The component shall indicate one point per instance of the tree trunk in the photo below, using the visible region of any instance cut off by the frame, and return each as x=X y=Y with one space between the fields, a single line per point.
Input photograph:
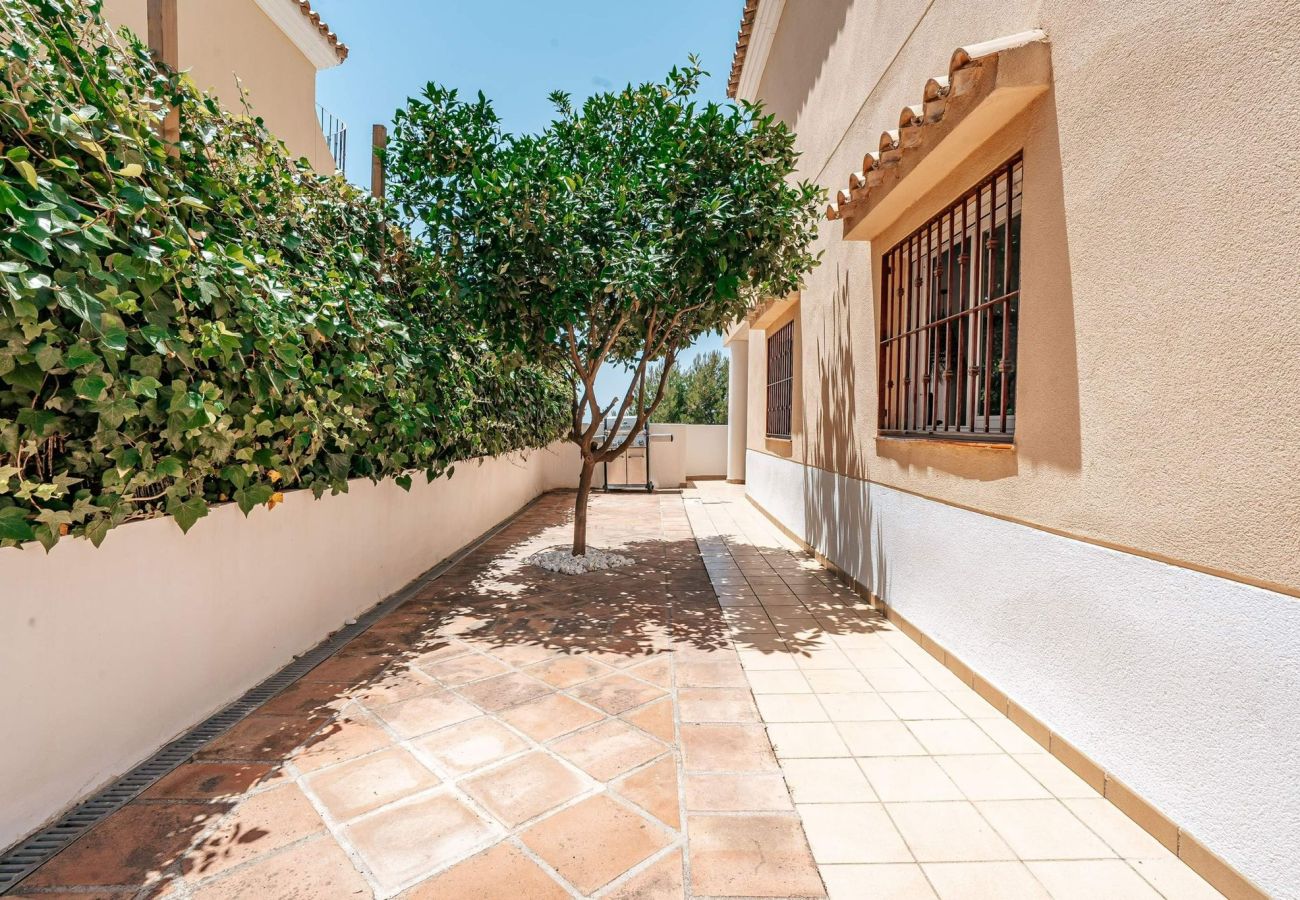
x=580 y=511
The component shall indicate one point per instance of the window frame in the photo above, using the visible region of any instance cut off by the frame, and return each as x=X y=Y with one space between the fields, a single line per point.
x=947 y=364
x=780 y=389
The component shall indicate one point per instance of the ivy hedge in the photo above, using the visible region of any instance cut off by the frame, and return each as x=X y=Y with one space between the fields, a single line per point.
x=216 y=323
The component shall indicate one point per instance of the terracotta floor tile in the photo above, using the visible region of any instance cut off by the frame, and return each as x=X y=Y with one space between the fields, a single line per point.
x=130 y=848
x=420 y=715
x=524 y=788
x=1087 y=879
x=567 y=671
x=947 y=832
x=209 y=781
x=984 y=881
x=464 y=669
x=826 y=781
x=260 y=824
x=879 y=881
x=361 y=785
x=406 y=840
x=344 y=739
x=260 y=737
x=521 y=654
x=717 y=705
x=751 y=856
x=1042 y=829
x=737 y=793
x=661 y=880
x=314 y=868
x=503 y=871
x=350 y=670
x=609 y=749
x=657 y=719
x=658 y=671
x=616 y=693
x=549 y=717
x=394 y=686
x=504 y=691
x=711 y=674
x=727 y=748
x=470 y=745
x=594 y=842
x=654 y=789
x=307 y=698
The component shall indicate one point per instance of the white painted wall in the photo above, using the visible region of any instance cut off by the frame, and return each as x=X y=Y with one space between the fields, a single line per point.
x=1185 y=685
x=106 y=654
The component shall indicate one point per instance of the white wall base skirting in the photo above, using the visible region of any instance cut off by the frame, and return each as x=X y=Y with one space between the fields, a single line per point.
x=1184 y=685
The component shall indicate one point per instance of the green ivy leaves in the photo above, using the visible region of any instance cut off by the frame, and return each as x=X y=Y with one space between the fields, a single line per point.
x=219 y=325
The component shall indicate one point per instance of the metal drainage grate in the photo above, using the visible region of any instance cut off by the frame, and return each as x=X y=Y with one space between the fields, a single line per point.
x=27 y=855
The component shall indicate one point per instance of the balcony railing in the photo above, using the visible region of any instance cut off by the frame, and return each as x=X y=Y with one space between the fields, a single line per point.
x=336 y=136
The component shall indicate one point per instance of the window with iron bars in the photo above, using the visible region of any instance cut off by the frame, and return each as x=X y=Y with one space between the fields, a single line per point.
x=950 y=297
x=780 y=381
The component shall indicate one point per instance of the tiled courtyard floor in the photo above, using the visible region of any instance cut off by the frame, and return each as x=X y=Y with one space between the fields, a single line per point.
x=513 y=734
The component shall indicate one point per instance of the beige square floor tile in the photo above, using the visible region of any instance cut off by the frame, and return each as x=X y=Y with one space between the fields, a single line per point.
x=791 y=708
x=751 y=856
x=836 y=681
x=368 y=783
x=737 y=793
x=985 y=881
x=986 y=777
x=827 y=781
x=824 y=658
x=881 y=881
x=852 y=833
x=1042 y=829
x=922 y=705
x=857 y=707
x=1009 y=737
x=952 y=736
x=1172 y=877
x=1089 y=879
x=470 y=745
x=972 y=704
x=409 y=839
x=803 y=740
x=880 y=739
x=947 y=832
x=1054 y=775
x=876 y=656
x=908 y=778
x=1121 y=833
x=897 y=679
x=779 y=683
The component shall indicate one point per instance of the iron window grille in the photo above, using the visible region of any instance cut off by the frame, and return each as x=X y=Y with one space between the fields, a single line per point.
x=950 y=297
x=780 y=381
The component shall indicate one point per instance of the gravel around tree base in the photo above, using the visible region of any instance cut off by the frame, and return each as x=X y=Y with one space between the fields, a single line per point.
x=563 y=561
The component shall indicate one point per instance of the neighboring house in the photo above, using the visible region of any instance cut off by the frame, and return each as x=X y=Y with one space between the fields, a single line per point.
x=1062 y=447
x=272 y=49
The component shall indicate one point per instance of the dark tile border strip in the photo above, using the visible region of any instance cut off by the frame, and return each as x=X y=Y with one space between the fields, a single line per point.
x=32 y=852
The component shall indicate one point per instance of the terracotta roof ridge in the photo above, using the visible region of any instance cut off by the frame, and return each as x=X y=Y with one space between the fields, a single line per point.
x=340 y=48
x=742 y=45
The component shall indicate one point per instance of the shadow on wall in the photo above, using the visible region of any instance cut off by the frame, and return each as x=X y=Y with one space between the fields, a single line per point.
x=806 y=40
x=1047 y=392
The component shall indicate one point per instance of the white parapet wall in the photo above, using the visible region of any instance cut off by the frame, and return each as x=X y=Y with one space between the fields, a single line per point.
x=1183 y=684
x=106 y=654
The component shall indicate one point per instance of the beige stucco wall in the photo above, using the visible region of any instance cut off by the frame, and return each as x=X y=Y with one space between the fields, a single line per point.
x=1159 y=392
x=234 y=39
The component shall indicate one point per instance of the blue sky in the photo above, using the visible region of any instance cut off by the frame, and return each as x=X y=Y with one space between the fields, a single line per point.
x=516 y=52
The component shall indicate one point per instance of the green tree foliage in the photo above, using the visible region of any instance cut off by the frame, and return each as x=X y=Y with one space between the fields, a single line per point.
x=696 y=395
x=214 y=323
x=627 y=228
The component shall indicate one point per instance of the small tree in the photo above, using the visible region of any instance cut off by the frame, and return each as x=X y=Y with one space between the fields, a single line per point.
x=623 y=231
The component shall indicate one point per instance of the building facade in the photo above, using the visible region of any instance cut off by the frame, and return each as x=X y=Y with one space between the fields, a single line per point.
x=270 y=50
x=1041 y=395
